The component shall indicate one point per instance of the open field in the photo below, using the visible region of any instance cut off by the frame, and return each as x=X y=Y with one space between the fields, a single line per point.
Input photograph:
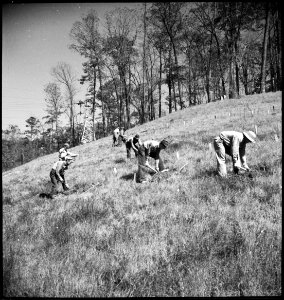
x=189 y=233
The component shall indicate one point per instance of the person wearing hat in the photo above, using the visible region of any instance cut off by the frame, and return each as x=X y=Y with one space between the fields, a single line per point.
x=57 y=174
x=115 y=136
x=131 y=143
x=148 y=149
x=63 y=152
x=232 y=143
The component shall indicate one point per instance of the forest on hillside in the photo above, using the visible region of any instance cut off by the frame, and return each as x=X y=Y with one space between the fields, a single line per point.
x=141 y=64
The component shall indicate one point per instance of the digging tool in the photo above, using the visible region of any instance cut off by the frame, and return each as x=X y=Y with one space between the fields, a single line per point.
x=183 y=167
x=157 y=174
x=143 y=167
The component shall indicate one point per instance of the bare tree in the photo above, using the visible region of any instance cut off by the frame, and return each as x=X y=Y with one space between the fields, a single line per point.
x=119 y=45
x=264 y=50
x=54 y=103
x=87 y=42
x=64 y=75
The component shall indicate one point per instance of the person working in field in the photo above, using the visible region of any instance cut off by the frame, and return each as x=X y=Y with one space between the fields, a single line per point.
x=148 y=149
x=115 y=136
x=232 y=143
x=132 y=143
x=63 y=152
x=57 y=174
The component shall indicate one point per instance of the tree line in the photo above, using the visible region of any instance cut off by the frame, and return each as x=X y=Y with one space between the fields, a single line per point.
x=140 y=64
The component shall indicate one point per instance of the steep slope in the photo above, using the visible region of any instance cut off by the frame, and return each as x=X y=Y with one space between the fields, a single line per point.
x=186 y=234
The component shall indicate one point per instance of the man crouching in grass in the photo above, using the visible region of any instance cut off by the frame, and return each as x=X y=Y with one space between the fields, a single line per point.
x=148 y=149
x=57 y=174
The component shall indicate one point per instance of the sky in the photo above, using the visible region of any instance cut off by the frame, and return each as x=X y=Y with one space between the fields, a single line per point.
x=35 y=38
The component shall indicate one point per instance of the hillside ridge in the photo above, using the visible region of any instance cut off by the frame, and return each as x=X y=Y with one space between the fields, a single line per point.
x=188 y=232
x=160 y=127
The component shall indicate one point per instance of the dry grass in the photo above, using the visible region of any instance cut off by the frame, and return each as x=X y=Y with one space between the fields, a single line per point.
x=187 y=234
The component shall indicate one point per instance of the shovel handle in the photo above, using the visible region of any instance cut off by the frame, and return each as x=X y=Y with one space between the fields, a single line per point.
x=148 y=168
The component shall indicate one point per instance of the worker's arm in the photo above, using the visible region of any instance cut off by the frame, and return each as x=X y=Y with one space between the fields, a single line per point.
x=235 y=150
x=243 y=157
x=133 y=146
x=147 y=156
x=72 y=154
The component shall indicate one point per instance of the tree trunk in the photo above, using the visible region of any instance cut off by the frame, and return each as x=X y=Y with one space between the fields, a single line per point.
x=220 y=65
x=144 y=63
x=245 y=76
x=160 y=84
x=94 y=104
x=72 y=116
x=177 y=71
x=174 y=93
x=126 y=102
x=103 y=104
x=279 y=49
x=209 y=70
x=170 y=83
x=264 y=51
x=151 y=94
x=237 y=70
x=189 y=78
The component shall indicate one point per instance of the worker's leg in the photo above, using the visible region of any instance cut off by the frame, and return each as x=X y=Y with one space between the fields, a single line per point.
x=220 y=156
x=161 y=165
x=54 y=189
x=64 y=185
x=128 y=150
x=141 y=174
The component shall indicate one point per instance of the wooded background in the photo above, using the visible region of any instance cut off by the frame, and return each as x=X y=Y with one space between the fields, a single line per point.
x=148 y=62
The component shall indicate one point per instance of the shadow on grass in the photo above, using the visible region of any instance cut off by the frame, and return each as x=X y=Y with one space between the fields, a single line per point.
x=267 y=169
x=232 y=182
x=127 y=177
x=120 y=161
x=206 y=173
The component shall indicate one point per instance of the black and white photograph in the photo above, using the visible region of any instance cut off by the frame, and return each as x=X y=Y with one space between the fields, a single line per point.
x=141 y=149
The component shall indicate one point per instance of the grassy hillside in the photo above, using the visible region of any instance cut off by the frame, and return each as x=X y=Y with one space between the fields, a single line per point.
x=188 y=233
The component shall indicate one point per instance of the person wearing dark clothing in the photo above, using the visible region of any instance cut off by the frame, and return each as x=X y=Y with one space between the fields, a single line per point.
x=132 y=143
x=148 y=149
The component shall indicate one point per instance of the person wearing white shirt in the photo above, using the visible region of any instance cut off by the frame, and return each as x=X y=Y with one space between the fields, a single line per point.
x=150 y=148
x=115 y=137
x=57 y=174
x=63 y=152
x=232 y=143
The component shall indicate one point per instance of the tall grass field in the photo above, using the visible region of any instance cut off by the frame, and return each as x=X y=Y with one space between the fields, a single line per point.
x=186 y=233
